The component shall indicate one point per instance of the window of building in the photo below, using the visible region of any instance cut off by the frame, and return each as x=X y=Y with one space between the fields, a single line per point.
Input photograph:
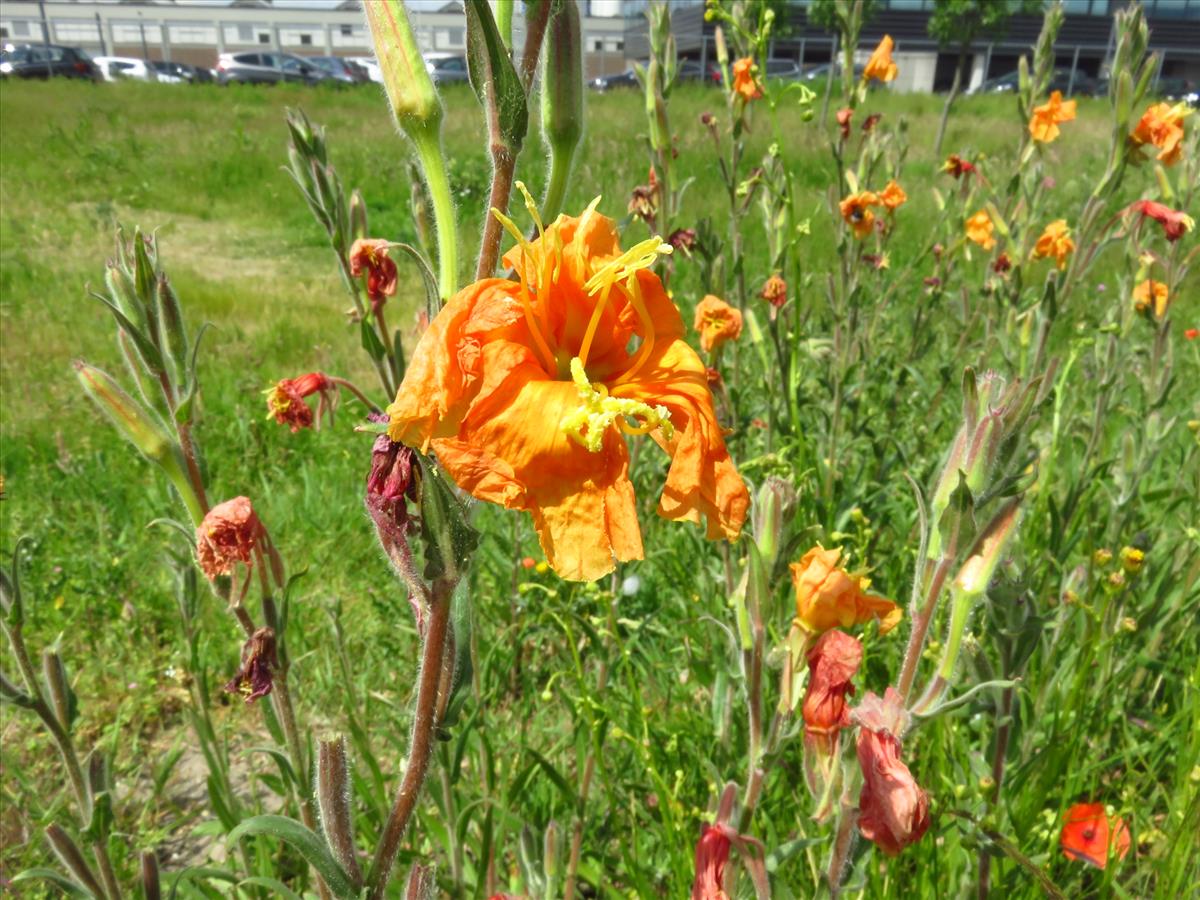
x=597 y=44
x=20 y=29
x=4 y=31
x=245 y=34
x=306 y=40
x=192 y=34
x=449 y=37
x=347 y=31
x=75 y=32
x=264 y=37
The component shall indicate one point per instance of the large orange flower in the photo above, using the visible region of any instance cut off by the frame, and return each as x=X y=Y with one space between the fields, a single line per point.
x=880 y=65
x=1055 y=241
x=525 y=389
x=893 y=196
x=1043 y=124
x=1162 y=126
x=827 y=596
x=856 y=210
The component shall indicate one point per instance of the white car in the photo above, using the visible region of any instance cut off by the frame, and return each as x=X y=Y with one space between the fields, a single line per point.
x=371 y=65
x=117 y=68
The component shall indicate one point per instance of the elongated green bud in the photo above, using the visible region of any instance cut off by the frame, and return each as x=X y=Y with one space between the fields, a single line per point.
x=130 y=417
x=562 y=101
x=172 y=334
x=358 y=216
x=59 y=688
x=70 y=856
x=410 y=90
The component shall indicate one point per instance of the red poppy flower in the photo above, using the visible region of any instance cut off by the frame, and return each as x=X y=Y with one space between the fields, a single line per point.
x=1192 y=333
x=1090 y=836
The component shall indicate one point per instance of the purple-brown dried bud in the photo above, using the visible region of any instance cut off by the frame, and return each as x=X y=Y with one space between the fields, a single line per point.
x=259 y=662
x=391 y=483
x=683 y=239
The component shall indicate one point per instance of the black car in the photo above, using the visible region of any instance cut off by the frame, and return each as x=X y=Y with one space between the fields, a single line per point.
x=46 y=60
x=626 y=79
x=1084 y=85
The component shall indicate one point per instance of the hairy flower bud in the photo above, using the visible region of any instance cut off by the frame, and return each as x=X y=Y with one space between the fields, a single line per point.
x=562 y=92
x=410 y=91
x=73 y=860
x=333 y=799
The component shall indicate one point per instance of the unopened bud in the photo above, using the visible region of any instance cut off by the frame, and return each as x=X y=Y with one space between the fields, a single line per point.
x=981 y=563
x=61 y=697
x=550 y=851
x=172 y=334
x=72 y=859
x=151 y=886
x=410 y=91
x=562 y=90
x=722 y=49
x=131 y=419
x=333 y=799
x=358 y=216
x=774 y=497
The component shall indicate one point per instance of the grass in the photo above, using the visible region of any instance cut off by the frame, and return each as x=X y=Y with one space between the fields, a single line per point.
x=1103 y=712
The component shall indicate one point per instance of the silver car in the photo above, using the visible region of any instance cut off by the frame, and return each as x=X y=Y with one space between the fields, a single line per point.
x=266 y=68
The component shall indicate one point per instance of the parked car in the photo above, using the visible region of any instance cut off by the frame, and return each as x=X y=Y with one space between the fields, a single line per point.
x=825 y=71
x=369 y=65
x=783 y=70
x=1084 y=85
x=266 y=68
x=446 y=68
x=47 y=60
x=170 y=72
x=626 y=79
x=340 y=69
x=118 y=68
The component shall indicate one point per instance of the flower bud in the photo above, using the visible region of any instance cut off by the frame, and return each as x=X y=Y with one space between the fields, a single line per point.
x=333 y=799
x=981 y=563
x=62 y=698
x=72 y=859
x=151 y=886
x=130 y=417
x=358 y=215
x=774 y=497
x=410 y=91
x=562 y=88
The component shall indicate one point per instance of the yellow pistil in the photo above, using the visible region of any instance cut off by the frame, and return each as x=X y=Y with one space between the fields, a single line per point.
x=277 y=400
x=623 y=268
x=597 y=410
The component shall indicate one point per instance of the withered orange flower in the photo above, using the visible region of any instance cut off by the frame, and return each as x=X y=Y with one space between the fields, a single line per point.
x=643 y=202
x=827 y=596
x=228 y=534
x=1055 y=241
x=1043 y=124
x=717 y=322
x=832 y=662
x=1090 y=836
x=525 y=390
x=774 y=291
x=370 y=256
x=880 y=65
x=893 y=808
x=1151 y=294
x=856 y=210
x=980 y=228
x=744 y=82
x=1162 y=126
x=844 y=115
x=957 y=166
x=1175 y=223
x=285 y=399
x=893 y=196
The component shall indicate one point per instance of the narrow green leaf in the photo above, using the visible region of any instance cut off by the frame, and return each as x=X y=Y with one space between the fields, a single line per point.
x=62 y=882
x=310 y=845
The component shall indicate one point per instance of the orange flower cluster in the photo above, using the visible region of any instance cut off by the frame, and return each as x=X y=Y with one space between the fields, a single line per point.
x=880 y=65
x=1043 y=124
x=1055 y=241
x=744 y=82
x=717 y=323
x=1162 y=126
x=524 y=389
x=827 y=596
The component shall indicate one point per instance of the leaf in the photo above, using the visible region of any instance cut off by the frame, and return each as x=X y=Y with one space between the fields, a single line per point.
x=68 y=886
x=274 y=885
x=311 y=846
x=281 y=759
x=1009 y=849
x=370 y=340
x=433 y=297
x=555 y=776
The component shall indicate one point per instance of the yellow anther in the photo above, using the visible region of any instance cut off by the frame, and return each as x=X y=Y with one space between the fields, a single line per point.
x=640 y=256
x=532 y=207
x=587 y=424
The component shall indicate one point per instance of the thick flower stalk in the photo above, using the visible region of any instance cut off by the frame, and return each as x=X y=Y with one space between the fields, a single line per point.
x=525 y=390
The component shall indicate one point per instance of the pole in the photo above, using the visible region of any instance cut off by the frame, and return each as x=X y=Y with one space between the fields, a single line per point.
x=142 y=30
x=100 y=35
x=1074 y=65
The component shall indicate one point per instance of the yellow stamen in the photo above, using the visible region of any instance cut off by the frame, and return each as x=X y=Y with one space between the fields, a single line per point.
x=535 y=331
x=587 y=424
x=622 y=268
x=634 y=290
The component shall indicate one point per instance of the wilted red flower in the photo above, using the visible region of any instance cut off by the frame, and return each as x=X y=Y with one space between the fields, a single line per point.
x=391 y=482
x=870 y=122
x=876 y=260
x=758 y=423
x=774 y=291
x=259 y=662
x=957 y=166
x=712 y=376
x=1001 y=264
x=832 y=662
x=683 y=239
x=707 y=119
x=643 y=202
x=370 y=256
x=285 y=400
x=1089 y=835
x=893 y=809
x=1174 y=222
x=844 y=115
x=712 y=853
x=229 y=533
x=932 y=281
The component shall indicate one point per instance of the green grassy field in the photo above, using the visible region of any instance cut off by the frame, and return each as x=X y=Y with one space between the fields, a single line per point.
x=1108 y=706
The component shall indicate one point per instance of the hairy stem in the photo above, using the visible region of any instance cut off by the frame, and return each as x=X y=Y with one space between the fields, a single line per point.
x=429 y=151
x=504 y=163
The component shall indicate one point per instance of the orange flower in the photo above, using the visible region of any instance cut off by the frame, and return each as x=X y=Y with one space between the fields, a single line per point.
x=1055 y=241
x=524 y=390
x=1043 y=124
x=829 y=597
x=856 y=210
x=774 y=291
x=717 y=322
x=1151 y=293
x=1162 y=126
x=844 y=115
x=893 y=808
x=744 y=81
x=880 y=65
x=893 y=196
x=980 y=228
x=1090 y=836
x=229 y=534
x=285 y=400
x=832 y=662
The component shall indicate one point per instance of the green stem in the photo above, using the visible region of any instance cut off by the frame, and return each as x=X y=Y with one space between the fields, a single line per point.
x=429 y=152
x=556 y=189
